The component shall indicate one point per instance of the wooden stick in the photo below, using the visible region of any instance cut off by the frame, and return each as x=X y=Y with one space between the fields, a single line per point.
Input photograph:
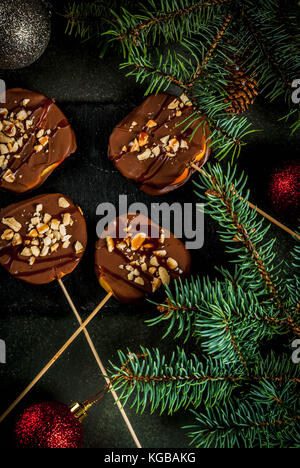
x=263 y=213
x=54 y=359
x=101 y=366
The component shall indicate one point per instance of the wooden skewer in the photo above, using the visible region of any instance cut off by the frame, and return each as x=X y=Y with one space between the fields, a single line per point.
x=263 y=213
x=101 y=366
x=54 y=359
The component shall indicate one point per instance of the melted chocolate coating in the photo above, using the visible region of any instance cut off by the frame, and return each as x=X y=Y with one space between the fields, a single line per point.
x=116 y=279
x=50 y=267
x=159 y=174
x=32 y=167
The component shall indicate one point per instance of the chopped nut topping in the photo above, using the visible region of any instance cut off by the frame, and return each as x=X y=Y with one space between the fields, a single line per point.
x=35 y=251
x=40 y=133
x=8 y=234
x=185 y=100
x=17 y=240
x=63 y=203
x=33 y=233
x=3 y=149
x=165 y=139
x=10 y=129
x=26 y=252
x=110 y=244
x=152 y=270
x=78 y=247
x=12 y=223
x=47 y=241
x=155 y=284
x=138 y=240
x=9 y=176
x=130 y=276
x=174 y=144
x=43 y=228
x=139 y=280
x=38 y=148
x=5 y=139
x=66 y=219
x=154 y=261
x=134 y=146
x=156 y=151
x=151 y=123
x=44 y=251
x=160 y=253
x=183 y=144
x=145 y=155
x=47 y=218
x=22 y=115
x=62 y=230
x=162 y=237
x=172 y=264
x=55 y=247
x=143 y=138
x=164 y=275
x=44 y=140
x=173 y=104
x=55 y=224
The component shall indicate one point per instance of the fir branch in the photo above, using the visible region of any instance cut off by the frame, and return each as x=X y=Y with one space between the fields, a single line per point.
x=184 y=381
x=85 y=19
x=265 y=50
x=244 y=425
x=240 y=226
x=134 y=26
x=209 y=54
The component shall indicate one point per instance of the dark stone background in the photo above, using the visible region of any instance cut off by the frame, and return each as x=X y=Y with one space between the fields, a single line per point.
x=36 y=321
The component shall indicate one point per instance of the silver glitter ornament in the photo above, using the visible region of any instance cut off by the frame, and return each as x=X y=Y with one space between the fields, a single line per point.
x=25 y=30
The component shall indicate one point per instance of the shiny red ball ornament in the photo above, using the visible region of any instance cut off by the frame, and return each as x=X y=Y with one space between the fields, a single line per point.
x=48 y=425
x=284 y=190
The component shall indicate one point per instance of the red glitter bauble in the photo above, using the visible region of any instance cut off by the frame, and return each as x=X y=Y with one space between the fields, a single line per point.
x=48 y=425
x=284 y=190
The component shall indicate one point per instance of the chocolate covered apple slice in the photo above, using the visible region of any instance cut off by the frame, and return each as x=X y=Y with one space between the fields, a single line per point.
x=135 y=257
x=154 y=145
x=42 y=239
x=35 y=137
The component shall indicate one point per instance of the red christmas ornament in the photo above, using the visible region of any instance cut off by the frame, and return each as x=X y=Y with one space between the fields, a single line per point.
x=48 y=425
x=284 y=190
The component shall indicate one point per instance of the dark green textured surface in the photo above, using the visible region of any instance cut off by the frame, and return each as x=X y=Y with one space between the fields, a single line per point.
x=36 y=321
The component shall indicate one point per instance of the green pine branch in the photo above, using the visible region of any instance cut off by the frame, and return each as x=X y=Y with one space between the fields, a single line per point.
x=245 y=425
x=163 y=22
x=247 y=397
x=148 y=380
x=260 y=297
x=194 y=45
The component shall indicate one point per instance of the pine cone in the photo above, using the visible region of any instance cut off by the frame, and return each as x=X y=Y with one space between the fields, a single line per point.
x=242 y=90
